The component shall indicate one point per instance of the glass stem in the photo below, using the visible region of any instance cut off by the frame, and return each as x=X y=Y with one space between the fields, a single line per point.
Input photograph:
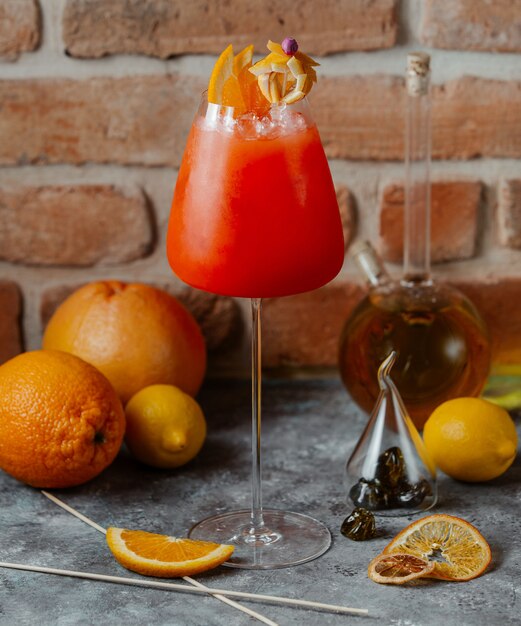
x=256 y=364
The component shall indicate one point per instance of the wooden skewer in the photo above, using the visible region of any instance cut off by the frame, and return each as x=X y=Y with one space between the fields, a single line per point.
x=187 y=589
x=74 y=512
x=196 y=583
x=174 y=586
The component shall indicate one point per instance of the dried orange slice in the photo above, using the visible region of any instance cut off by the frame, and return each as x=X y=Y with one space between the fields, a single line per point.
x=457 y=549
x=397 y=569
x=164 y=556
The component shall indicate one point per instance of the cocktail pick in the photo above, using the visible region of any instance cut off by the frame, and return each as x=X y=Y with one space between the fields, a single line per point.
x=390 y=471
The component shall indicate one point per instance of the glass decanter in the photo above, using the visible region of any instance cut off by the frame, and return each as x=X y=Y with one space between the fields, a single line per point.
x=441 y=340
x=390 y=471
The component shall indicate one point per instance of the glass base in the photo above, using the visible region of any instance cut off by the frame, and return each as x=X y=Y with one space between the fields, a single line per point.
x=286 y=538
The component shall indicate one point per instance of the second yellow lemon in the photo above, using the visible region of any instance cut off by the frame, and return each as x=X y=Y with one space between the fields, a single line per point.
x=471 y=439
x=166 y=427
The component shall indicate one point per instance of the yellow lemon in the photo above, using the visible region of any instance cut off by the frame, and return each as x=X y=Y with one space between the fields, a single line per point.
x=471 y=439
x=165 y=427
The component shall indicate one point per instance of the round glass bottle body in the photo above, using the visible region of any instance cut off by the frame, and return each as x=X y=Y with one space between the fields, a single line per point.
x=441 y=341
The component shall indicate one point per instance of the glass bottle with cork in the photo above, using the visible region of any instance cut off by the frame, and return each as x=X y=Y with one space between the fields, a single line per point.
x=440 y=339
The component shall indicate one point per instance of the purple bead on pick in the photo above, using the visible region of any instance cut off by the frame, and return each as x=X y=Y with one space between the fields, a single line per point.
x=290 y=46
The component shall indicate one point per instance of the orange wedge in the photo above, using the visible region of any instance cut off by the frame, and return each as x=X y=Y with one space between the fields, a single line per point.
x=457 y=549
x=163 y=556
x=397 y=569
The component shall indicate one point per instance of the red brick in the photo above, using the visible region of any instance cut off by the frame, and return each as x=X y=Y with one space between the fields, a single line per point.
x=454 y=220
x=10 y=312
x=166 y=27
x=51 y=299
x=19 y=27
x=508 y=214
x=304 y=330
x=73 y=225
x=145 y=119
x=498 y=299
x=362 y=117
x=472 y=25
x=135 y=120
x=219 y=317
x=475 y=117
x=346 y=205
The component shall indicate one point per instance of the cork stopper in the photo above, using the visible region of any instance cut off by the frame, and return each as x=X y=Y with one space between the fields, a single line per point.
x=418 y=73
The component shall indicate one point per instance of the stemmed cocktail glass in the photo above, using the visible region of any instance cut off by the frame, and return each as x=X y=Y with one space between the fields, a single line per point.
x=255 y=215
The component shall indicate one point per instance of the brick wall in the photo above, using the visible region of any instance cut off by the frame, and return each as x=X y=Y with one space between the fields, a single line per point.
x=96 y=98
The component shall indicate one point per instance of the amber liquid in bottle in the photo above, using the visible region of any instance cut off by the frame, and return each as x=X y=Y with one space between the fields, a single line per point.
x=441 y=341
x=442 y=345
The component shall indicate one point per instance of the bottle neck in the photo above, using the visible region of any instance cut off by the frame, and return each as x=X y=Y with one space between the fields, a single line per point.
x=370 y=264
x=416 y=251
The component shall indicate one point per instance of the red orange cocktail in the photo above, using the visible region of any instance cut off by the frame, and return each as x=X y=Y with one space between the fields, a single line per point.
x=255 y=212
x=255 y=215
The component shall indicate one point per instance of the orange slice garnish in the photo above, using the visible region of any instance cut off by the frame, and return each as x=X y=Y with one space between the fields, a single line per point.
x=279 y=77
x=303 y=58
x=163 y=556
x=397 y=569
x=231 y=84
x=252 y=99
x=297 y=70
x=222 y=71
x=232 y=94
x=243 y=60
x=457 y=549
x=270 y=63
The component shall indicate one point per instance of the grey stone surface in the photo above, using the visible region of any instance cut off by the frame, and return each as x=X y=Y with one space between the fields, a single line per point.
x=309 y=429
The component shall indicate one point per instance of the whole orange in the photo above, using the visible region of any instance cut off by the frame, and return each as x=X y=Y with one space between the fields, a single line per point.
x=61 y=422
x=135 y=334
